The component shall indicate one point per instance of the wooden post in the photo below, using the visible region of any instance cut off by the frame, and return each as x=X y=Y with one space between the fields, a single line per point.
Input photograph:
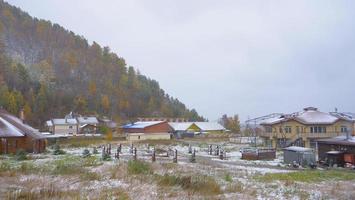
x=193 y=157
x=135 y=153
x=131 y=149
x=210 y=149
x=175 y=157
x=221 y=154
x=109 y=149
x=153 y=155
x=119 y=148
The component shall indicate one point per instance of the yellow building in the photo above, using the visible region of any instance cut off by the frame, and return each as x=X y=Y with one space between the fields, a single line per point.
x=304 y=128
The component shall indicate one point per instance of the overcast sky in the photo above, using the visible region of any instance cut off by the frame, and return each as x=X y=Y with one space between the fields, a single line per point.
x=247 y=57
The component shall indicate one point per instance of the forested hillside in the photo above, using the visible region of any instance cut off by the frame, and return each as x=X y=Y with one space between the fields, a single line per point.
x=49 y=71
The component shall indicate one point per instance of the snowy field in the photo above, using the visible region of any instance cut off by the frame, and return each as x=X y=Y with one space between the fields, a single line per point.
x=71 y=176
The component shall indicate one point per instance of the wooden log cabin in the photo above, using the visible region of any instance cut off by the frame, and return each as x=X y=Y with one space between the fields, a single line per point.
x=16 y=135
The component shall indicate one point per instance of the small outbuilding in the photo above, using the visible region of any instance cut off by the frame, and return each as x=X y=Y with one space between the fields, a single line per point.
x=337 y=151
x=300 y=155
x=147 y=130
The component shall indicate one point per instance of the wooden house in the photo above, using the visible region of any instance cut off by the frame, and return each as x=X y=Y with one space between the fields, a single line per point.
x=16 y=135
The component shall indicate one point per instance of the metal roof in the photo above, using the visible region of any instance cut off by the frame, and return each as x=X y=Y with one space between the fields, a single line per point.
x=308 y=116
x=9 y=130
x=180 y=126
x=87 y=120
x=209 y=126
x=341 y=140
x=141 y=125
x=64 y=121
x=298 y=149
x=12 y=125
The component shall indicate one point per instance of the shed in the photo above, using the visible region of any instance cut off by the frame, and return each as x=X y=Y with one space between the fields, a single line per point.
x=302 y=156
x=147 y=130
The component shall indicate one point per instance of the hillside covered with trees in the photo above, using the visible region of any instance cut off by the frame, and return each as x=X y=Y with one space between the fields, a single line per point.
x=49 y=71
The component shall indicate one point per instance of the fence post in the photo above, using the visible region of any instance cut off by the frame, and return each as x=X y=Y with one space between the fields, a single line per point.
x=193 y=157
x=117 y=155
x=175 y=157
x=153 y=155
x=119 y=148
x=221 y=154
x=131 y=149
x=135 y=153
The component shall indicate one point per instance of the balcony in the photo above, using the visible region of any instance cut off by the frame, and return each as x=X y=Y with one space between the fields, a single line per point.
x=322 y=135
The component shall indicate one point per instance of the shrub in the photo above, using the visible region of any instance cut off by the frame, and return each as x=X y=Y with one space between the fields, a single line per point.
x=138 y=167
x=57 y=150
x=21 y=155
x=91 y=161
x=106 y=157
x=86 y=153
x=5 y=166
x=95 y=151
x=228 y=178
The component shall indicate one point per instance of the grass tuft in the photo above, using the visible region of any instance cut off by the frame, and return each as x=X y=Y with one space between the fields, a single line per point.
x=309 y=176
x=139 y=167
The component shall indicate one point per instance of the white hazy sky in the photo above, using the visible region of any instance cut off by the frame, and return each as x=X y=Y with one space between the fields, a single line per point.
x=246 y=57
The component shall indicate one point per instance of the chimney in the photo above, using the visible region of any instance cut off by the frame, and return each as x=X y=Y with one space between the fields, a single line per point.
x=22 y=116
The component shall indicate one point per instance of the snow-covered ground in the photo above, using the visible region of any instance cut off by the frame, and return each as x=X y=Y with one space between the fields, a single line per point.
x=112 y=174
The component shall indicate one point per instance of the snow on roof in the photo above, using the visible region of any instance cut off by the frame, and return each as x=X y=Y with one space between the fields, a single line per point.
x=309 y=115
x=345 y=115
x=334 y=152
x=209 y=126
x=316 y=117
x=342 y=140
x=10 y=122
x=9 y=130
x=298 y=149
x=273 y=120
x=64 y=121
x=87 y=120
x=49 y=123
x=180 y=126
x=142 y=124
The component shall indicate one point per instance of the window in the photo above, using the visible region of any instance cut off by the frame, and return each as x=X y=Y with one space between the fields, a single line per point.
x=268 y=129
x=318 y=129
x=70 y=127
x=343 y=129
x=288 y=129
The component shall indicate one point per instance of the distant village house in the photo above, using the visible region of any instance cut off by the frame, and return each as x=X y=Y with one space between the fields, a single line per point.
x=72 y=125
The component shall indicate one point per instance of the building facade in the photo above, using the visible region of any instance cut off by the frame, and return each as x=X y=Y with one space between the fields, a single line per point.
x=303 y=128
x=147 y=130
x=72 y=125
